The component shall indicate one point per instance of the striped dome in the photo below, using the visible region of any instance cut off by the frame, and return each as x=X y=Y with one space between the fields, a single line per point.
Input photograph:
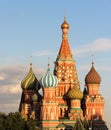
x=75 y=93
x=49 y=80
x=30 y=81
x=92 y=77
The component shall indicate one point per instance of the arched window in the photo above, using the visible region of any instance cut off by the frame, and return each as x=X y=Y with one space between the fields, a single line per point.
x=60 y=111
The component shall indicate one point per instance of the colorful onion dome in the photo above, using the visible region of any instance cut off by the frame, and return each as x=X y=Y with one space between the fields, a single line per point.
x=75 y=93
x=65 y=24
x=92 y=77
x=49 y=80
x=30 y=81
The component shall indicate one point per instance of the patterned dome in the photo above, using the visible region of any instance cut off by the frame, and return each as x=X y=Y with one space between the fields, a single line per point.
x=49 y=80
x=30 y=81
x=75 y=93
x=92 y=77
x=65 y=24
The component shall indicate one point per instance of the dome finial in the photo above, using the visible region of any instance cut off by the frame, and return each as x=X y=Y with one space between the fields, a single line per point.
x=48 y=63
x=92 y=59
x=65 y=25
x=31 y=61
x=64 y=18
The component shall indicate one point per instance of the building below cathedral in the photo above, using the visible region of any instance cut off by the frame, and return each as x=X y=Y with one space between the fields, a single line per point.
x=63 y=106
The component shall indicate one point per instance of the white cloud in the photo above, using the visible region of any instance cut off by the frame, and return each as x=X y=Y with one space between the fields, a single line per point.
x=42 y=53
x=10 y=89
x=99 y=45
x=10 y=79
x=9 y=105
x=2 y=76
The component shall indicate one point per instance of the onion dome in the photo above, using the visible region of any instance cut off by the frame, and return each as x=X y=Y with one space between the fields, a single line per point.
x=92 y=77
x=49 y=80
x=75 y=93
x=30 y=82
x=65 y=24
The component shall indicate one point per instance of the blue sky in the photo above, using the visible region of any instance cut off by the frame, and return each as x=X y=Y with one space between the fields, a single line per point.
x=33 y=28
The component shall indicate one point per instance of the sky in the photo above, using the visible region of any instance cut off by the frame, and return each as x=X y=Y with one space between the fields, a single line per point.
x=33 y=28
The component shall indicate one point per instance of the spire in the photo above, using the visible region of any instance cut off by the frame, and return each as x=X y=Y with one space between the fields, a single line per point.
x=92 y=59
x=65 y=25
x=64 y=61
x=30 y=61
x=48 y=63
x=85 y=124
x=79 y=125
x=65 y=52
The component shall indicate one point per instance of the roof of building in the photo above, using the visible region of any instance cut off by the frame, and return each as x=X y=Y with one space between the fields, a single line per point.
x=62 y=125
x=65 y=24
x=78 y=125
x=75 y=93
x=98 y=125
x=92 y=77
x=30 y=82
x=49 y=80
x=65 y=51
x=85 y=124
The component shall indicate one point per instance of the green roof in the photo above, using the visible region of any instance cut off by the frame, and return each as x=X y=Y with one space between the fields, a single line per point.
x=78 y=125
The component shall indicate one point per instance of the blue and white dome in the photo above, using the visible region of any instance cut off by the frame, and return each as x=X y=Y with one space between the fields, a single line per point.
x=49 y=80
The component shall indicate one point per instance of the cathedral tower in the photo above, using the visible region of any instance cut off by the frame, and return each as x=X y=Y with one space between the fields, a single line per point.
x=65 y=70
x=94 y=102
x=30 y=97
x=75 y=95
x=49 y=104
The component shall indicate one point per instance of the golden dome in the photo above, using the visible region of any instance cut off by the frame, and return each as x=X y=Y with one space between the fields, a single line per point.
x=75 y=93
x=92 y=77
x=30 y=81
x=65 y=24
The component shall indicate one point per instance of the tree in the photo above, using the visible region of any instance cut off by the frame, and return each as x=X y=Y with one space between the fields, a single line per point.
x=14 y=121
x=2 y=119
x=32 y=124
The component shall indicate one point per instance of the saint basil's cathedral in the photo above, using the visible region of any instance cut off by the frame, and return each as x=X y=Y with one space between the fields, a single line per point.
x=63 y=106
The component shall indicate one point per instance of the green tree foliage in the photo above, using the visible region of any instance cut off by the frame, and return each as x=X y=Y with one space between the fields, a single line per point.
x=14 y=121
x=32 y=124
x=2 y=120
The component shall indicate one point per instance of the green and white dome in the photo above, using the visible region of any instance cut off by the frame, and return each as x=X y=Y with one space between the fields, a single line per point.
x=49 y=80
